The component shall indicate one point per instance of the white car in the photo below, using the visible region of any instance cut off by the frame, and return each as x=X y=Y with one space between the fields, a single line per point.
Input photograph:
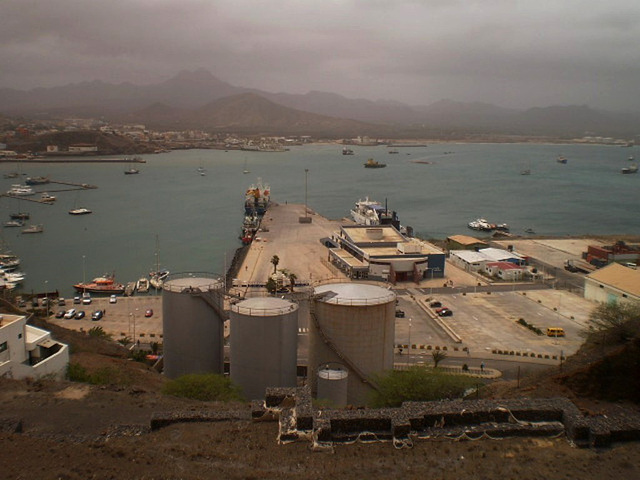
x=113 y=299
x=86 y=299
x=70 y=313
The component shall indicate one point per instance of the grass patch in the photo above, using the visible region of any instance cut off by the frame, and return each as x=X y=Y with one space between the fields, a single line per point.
x=101 y=376
x=205 y=387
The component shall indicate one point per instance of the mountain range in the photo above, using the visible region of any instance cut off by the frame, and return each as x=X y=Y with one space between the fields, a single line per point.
x=199 y=100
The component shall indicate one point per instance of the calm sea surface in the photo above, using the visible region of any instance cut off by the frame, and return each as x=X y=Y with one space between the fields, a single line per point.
x=196 y=219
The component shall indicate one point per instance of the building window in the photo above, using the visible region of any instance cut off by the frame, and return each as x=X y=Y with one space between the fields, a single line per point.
x=601 y=286
x=3 y=346
x=19 y=335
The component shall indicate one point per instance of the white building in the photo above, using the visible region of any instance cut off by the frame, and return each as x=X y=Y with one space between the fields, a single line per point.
x=83 y=147
x=613 y=283
x=473 y=261
x=28 y=351
x=505 y=271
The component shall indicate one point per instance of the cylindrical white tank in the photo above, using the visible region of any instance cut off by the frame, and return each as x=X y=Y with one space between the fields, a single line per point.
x=193 y=324
x=264 y=345
x=352 y=324
x=333 y=381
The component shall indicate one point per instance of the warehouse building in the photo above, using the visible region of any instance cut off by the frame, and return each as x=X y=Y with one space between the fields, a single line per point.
x=613 y=283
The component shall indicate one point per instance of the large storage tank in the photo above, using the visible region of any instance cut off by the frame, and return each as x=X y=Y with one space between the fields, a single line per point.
x=264 y=345
x=333 y=381
x=352 y=324
x=193 y=324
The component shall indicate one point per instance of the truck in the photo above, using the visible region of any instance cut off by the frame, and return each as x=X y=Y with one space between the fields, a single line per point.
x=572 y=265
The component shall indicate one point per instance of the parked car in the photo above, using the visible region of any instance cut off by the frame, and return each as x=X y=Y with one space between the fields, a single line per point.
x=22 y=304
x=445 y=312
x=148 y=313
x=60 y=313
x=435 y=304
x=400 y=313
x=70 y=313
x=97 y=315
x=61 y=302
x=79 y=314
x=86 y=298
x=113 y=299
x=77 y=300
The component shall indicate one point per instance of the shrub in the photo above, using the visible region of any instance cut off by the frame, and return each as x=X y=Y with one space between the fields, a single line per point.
x=101 y=376
x=418 y=384
x=205 y=387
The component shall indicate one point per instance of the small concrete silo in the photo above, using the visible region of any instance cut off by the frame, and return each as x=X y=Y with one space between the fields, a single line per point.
x=352 y=324
x=264 y=345
x=193 y=324
x=333 y=382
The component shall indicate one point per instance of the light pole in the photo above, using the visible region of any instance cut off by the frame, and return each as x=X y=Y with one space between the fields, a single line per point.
x=306 y=174
x=84 y=278
x=46 y=295
x=409 y=349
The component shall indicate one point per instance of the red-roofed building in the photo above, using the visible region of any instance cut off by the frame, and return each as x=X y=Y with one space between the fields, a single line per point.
x=505 y=270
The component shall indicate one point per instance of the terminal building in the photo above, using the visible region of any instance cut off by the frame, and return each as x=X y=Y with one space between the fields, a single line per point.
x=475 y=261
x=613 y=283
x=381 y=252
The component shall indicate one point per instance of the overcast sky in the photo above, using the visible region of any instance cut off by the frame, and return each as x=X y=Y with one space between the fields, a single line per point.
x=511 y=53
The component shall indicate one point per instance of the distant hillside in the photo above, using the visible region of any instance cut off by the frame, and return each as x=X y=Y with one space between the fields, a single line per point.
x=108 y=144
x=172 y=104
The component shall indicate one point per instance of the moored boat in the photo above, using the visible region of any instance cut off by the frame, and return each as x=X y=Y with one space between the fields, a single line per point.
x=13 y=223
x=630 y=169
x=561 y=159
x=131 y=171
x=80 y=211
x=142 y=285
x=156 y=279
x=33 y=229
x=105 y=284
x=20 y=216
x=37 y=180
x=20 y=191
x=347 y=151
x=47 y=198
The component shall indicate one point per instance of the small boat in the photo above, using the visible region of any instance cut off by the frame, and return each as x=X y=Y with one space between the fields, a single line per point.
x=393 y=152
x=80 y=211
x=347 y=151
x=371 y=163
x=33 y=229
x=529 y=230
x=46 y=198
x=630 y=158
x=11 y=175
x=143 y=285
x=131 y=171
x=525 y=172
x=20 y=216
x=630 y=169
x=561 y=159
x=129 y=289
x=157 y=278
x=13 y=223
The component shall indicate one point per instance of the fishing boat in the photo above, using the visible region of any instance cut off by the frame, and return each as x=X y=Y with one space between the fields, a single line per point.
x=131 y=171
x=561 y=159
x=105 y=284
x=525 y=172
x=79 y=211
x=33 y=229
x=37 y=180
x=20 y=216
x=142 y=285
x=371 y=163
x=630 y=169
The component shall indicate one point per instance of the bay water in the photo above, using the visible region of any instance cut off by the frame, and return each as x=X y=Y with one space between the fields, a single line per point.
x=169 y=215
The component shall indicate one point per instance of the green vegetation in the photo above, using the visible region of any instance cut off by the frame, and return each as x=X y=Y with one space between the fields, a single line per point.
x=418 y=384
x=438 y=356
x=102 y=376
x=275 y=260
x=98 y=332
x=206 y=387
x=614 y=323
x=530 y=326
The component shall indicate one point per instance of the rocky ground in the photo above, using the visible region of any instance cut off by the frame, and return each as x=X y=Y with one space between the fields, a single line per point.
x=79 y=431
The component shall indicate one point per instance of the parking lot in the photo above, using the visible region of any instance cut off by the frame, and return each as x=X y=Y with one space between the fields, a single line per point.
x=489 y=321
x=126 y=318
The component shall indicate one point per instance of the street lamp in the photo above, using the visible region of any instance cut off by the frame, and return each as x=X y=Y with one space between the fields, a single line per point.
x=84 y=278
x=409 y=348
x=46 y=295
x=306 y=174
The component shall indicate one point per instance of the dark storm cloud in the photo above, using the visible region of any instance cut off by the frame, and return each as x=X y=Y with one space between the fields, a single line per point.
x=510 y=53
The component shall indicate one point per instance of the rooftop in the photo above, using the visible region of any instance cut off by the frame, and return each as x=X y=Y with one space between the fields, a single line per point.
x=620 y=277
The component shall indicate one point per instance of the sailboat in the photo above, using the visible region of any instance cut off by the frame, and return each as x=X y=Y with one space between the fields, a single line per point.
x=246 y=170
x=157 y=277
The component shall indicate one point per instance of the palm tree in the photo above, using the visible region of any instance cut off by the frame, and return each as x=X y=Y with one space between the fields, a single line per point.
x=438 y=356
x=292 y=280
x=275 y=260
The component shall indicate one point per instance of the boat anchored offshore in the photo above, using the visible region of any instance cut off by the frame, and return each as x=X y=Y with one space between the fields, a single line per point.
x=371 y=163
x=33 y=229
x=105 y=284
x=483 y=225
x=347 y=151
x=561 y=159
x=80 y=211
x=20 y=191
x=630 y=169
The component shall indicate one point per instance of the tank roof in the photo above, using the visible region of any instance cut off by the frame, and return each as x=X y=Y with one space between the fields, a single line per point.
x=264 y=306
x=329 y=373
x=196 y=281
x=355 y=294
